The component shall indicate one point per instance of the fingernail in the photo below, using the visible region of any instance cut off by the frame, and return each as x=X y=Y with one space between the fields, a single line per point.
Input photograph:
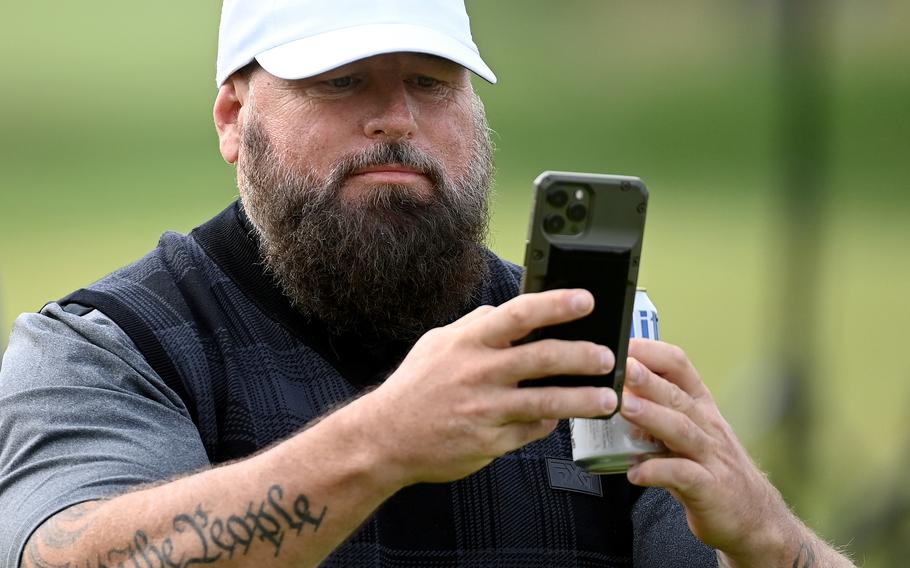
x=607 y=359
x=582 y=302
x=631 y=403
x=608 y=400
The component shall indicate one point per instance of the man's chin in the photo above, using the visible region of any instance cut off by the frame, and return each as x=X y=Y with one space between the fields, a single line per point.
x=365 y=191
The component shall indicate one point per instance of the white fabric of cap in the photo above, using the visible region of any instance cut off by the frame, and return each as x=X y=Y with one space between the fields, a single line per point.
x=294 y=39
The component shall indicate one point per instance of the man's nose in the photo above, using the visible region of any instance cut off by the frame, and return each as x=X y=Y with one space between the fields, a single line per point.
x=393 y=116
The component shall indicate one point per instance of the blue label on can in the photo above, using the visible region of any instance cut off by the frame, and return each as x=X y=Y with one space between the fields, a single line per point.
x=645 y=323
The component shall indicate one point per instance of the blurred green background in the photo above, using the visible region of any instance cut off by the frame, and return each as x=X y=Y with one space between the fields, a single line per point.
x=107 y=141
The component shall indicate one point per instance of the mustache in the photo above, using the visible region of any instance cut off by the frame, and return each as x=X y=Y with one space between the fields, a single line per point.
x=386 y=153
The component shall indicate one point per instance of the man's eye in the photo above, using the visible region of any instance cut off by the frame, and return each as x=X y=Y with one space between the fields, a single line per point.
x=341 y=82
x=425 y=82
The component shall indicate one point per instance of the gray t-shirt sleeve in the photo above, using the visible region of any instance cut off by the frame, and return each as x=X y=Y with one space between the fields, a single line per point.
x=662 y=535
x=82 y=417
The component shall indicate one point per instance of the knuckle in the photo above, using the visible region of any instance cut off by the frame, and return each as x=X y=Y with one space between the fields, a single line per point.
x=477 y=408
x=547 y=406
x=715 y=447
x=678 y=398
x=483 y=310
x=726 y=437
x=689 y=480
x=686 y=431
x=481 y=374
x=546 y=355
x=518 y=314
x=705 y=397
x=433 y=336
x=678 y=357
x=699 y=441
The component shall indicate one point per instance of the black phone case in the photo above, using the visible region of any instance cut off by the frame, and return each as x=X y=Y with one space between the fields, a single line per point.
x=603 y=257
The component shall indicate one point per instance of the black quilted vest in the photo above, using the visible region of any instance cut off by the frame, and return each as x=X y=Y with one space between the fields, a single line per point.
x=252 y=371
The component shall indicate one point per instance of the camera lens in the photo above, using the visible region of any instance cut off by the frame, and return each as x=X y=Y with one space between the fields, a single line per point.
x=553 y=223
x=576 y=212
x=557 y=197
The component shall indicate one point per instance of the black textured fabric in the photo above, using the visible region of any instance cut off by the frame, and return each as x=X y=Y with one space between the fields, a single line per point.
x=253 y=371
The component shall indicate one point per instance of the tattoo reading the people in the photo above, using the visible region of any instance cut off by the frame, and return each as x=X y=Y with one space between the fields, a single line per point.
x=213 y=537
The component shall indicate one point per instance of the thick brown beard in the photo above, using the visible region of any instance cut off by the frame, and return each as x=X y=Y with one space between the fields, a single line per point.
x=393 y=264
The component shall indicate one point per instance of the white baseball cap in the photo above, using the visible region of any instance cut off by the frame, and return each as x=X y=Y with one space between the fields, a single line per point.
x=294 y=39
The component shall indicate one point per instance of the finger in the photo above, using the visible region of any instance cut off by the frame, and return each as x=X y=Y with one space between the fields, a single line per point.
x=528 y=405
x=471 y=316
x=670 y=362
x=521 y=315
x=676 y=430
x=548 y=357
x=679 y=474
x=646 y=384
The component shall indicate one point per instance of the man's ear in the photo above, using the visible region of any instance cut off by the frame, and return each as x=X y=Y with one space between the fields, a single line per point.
x=230 y=99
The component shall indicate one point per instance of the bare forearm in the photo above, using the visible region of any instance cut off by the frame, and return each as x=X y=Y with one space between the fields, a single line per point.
x=291 y=505
x=111 y=533
x=799 y=548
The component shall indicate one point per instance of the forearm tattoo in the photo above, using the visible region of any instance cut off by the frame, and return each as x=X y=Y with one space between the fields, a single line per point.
x=211 y=538
x=805 y=558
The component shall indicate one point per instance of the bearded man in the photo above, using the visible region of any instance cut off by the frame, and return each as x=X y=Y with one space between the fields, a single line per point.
x=325 y=371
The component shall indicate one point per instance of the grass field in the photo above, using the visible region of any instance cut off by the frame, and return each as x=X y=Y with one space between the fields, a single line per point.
x=108 y=142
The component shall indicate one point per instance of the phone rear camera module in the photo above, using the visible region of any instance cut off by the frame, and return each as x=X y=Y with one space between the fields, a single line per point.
x=576 y=212
x=557 y=197
x=554 y=223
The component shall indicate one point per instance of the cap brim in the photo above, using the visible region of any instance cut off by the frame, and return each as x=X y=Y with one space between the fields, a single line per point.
x=317 y=54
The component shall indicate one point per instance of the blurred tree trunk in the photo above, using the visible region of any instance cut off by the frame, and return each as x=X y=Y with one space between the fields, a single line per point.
x=803 y=145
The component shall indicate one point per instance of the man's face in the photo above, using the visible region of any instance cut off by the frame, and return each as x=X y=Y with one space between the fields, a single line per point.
x=421 y=99
x=368 y=186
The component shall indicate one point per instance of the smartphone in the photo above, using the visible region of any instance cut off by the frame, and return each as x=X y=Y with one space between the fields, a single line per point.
x=586 y=231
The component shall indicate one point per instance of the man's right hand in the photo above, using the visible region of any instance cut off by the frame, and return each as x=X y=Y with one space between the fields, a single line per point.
x=451 y=407
x=454 y=405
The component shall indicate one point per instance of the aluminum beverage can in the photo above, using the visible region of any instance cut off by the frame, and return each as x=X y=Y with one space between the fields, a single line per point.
x=614 y=445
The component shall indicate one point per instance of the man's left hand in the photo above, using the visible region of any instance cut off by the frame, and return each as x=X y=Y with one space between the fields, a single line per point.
x=730 y=504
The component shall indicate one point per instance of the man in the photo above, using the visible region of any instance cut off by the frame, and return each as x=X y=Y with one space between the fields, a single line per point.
x=325 y=372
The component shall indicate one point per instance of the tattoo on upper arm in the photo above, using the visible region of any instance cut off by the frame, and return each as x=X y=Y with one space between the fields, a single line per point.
x=805 y=558
x=197 y=537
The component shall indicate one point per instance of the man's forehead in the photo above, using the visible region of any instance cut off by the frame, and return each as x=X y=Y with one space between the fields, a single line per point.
x=395 y=62
x=398 y=57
